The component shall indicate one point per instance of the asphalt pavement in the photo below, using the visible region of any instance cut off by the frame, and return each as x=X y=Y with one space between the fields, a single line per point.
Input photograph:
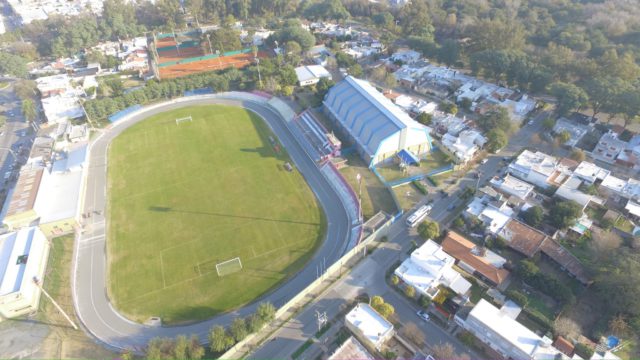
x=90 y=261
x=369 y=276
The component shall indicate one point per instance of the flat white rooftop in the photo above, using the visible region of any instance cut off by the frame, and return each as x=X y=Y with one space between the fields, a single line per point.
x=502 y=321
x=16 y=271
x=513 y=186
x=371 y=324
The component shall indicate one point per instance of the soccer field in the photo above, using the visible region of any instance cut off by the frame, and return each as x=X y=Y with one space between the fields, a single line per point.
x=183 y=198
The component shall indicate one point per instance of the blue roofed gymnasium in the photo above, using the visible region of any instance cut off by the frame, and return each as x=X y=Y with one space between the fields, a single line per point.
x=380 y=130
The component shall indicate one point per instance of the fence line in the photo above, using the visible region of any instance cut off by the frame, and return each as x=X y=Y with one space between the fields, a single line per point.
x=298 y=302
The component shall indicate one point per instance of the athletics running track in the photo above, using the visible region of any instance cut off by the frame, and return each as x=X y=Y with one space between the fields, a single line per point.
x=89 y=270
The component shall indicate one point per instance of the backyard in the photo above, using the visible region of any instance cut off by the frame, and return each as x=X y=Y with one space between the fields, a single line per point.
x=434 y=160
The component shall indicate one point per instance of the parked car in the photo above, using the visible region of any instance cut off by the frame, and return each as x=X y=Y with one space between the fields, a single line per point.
x=423 y=315
x=484 y=161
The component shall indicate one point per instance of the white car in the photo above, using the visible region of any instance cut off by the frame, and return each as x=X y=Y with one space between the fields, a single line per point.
x=484 y=161
x=423 y=315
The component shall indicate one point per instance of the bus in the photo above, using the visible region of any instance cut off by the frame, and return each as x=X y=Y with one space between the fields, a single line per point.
x=419 y=215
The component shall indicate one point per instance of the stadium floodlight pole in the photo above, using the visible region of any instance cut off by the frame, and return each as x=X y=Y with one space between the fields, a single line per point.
x=37 y=282
x=175 y=38
x=255 y=56
x=359 y=177
x=209 y=40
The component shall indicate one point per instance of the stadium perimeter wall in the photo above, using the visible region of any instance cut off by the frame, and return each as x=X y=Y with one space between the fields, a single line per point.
x=306 y=296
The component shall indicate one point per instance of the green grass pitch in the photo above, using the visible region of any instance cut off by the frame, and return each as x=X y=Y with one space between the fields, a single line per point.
x=185 y=197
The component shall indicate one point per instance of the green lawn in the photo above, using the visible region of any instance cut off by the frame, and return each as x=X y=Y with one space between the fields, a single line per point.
x=375 y=196
x=434 y=160
x=183 y=198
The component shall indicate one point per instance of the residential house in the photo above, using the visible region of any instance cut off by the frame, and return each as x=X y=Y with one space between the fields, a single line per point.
x=499 y=329
x=447 y=123
x=540 y=169
x=570 y=190
x=477 y=260
x=465 y=145
x=311 y=74
x=576 y=131
x=428 y=268
x=351 y=349
x=369 y=326
x=494 y=214
x=529 y=241
x=512 y=186
x=629 y=189
x=590 y=172
x=608 y=148
x=406 y=56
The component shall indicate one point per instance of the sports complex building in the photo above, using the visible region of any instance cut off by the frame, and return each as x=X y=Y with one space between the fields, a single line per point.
x=187 y=53
x=380 y=130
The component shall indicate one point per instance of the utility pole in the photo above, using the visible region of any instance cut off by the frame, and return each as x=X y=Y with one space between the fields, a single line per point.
x=359 y=178
x=37 y=282
x=255 y=56
x=209 y=40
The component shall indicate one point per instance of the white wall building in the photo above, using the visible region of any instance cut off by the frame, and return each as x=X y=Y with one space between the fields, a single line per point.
x=428 y=267
x=512 y=186
x=311 y=74
x=369 y=326
x=498 y=328
x=23 y=256
x=535 y=168
x=465 y=145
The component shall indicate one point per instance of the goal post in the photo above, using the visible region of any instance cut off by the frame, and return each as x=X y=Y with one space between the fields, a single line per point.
x=229 y=267
x=183 y=119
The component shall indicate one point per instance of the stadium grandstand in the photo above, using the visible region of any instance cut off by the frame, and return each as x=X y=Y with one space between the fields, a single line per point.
x=325 y=145
x=182 y=54
x=380 y=130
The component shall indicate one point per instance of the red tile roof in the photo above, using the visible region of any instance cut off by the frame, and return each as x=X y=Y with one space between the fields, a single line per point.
x=461 y=249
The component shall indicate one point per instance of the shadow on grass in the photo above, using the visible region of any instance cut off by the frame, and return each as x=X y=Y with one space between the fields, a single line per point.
x=169 y=209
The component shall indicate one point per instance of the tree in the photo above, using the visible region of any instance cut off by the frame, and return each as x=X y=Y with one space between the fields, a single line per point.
x=425 y=118
x=498 y=34
x=195 y=351
x=395 y=280
x=413 y=333
x=415 y=20
x=386 y=310
x=448 y=107
x=449 y=52
x=604 y=93
x=527 y=269
x=180 y=349
x=619 y=326
x=618 y=283
x=355 y=70
x=496 y=140
x=533 y=216
x=564 y=213
x=323 y=86
x=429 y=229
x=466 y=104
x=13 y=65
x=495 y=118
x=266 y=311
x=25 y=89
x=410 y=291
x=564 y=136
x=443 y=351
x=570 y=97
x=518 y=297
x=218 y=339
x=377 y=301
x=548 y=123
x=29 y=110
x=296 y=33
x=566 y=327
x=577 y=155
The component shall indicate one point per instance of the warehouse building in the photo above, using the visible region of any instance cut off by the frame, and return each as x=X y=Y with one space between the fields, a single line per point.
x=379 y=129
x=23 y=257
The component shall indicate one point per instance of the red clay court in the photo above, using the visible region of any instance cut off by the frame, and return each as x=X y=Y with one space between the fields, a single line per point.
x=190 y=58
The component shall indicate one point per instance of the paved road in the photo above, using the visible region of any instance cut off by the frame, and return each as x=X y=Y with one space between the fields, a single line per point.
x=89 y=273
x=369 y=276
x=11 y=134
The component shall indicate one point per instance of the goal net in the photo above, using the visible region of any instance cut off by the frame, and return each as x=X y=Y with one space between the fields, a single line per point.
x=183 y=119
x=229 y=267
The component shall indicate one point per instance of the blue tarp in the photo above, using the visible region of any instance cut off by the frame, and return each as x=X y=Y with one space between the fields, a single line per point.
x=407 y=157
x=122 y=113
x=612 y=341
